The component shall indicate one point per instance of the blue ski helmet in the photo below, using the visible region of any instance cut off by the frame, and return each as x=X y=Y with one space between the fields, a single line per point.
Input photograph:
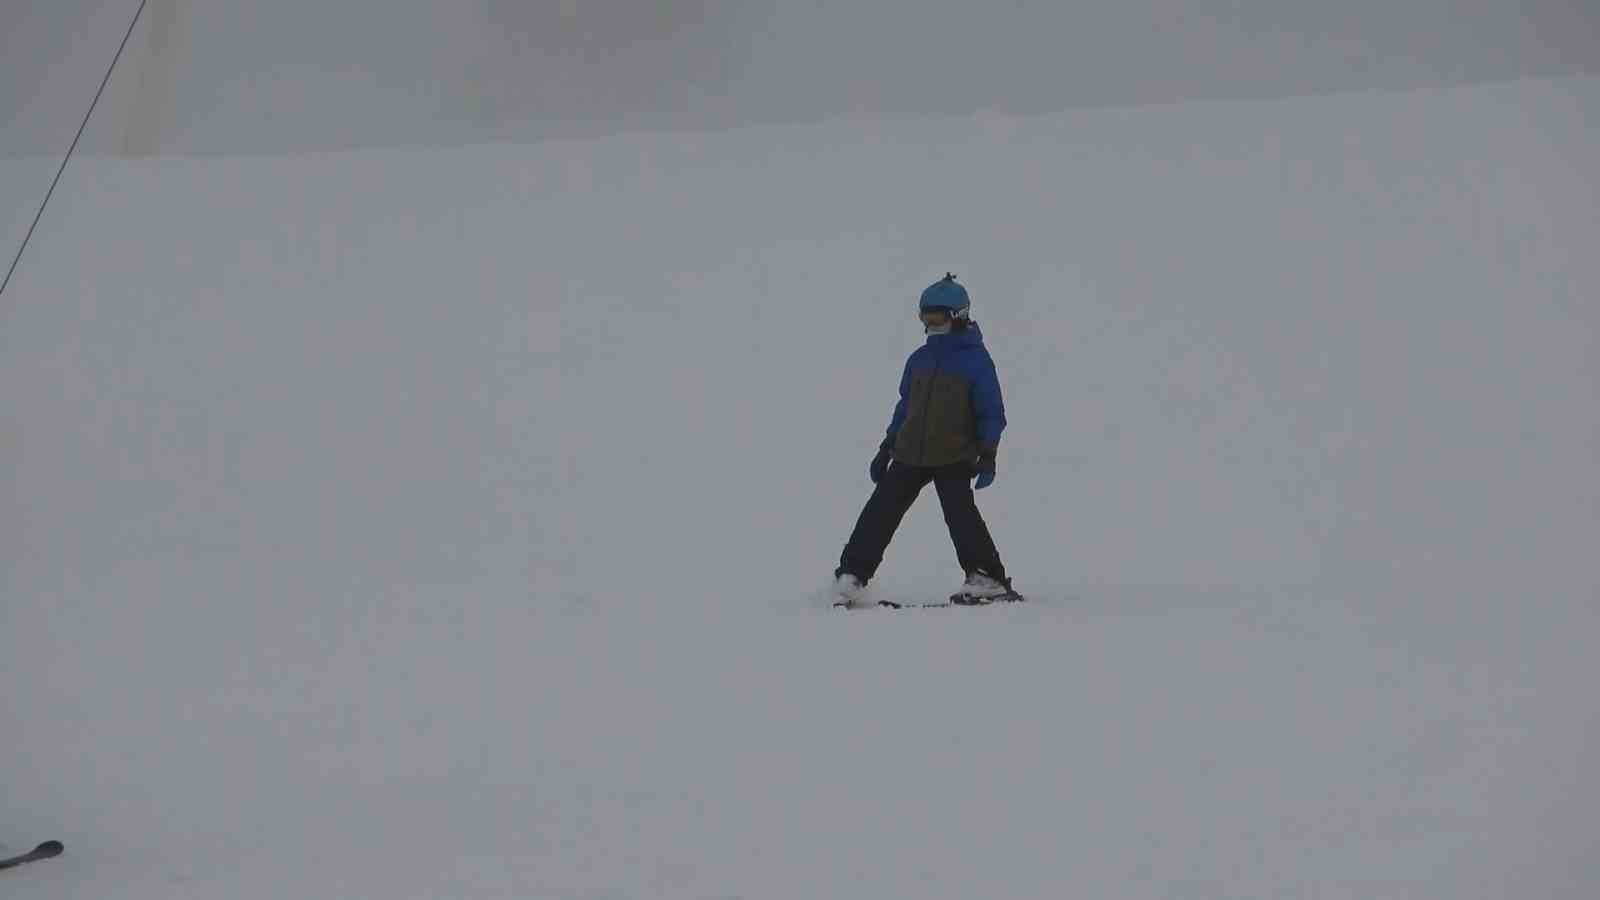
x=948 y=295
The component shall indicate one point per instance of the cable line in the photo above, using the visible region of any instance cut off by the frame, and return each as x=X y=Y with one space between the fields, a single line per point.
x=64 y=160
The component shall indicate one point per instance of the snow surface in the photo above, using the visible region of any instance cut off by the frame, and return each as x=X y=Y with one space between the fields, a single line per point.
x=452 y=523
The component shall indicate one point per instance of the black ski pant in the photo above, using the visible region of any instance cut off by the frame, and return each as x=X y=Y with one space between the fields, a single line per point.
x=891 y=499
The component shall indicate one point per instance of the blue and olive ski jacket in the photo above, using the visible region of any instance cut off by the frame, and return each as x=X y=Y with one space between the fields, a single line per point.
x=950 y=402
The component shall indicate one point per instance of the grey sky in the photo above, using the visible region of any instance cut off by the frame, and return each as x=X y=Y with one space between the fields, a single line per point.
x=305 y=74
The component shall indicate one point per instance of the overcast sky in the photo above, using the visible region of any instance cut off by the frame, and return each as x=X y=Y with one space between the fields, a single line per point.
x=307 y=74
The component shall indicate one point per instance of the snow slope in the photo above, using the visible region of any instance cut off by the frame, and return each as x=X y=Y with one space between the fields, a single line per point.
x=450 y=523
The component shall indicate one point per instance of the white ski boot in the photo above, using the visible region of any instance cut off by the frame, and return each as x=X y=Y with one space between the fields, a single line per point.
x=979 y=589
x=849 y=592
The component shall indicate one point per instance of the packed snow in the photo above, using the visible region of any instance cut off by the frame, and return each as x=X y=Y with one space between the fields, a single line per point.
x=455 y=523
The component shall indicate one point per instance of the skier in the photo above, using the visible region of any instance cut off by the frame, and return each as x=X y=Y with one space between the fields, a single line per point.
x=945 y=429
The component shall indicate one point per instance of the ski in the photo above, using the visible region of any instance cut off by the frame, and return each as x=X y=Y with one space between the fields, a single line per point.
x=44 y=851
x=964 y=599
x=956 y=600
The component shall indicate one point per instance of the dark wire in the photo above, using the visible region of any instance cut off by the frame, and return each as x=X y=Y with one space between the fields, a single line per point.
x=64 y=160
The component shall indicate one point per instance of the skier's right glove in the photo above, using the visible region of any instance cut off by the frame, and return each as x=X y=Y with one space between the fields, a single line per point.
x=984 y=467
x=880 y=463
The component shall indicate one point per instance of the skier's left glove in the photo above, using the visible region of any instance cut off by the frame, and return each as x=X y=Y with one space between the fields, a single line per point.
x=984 y=467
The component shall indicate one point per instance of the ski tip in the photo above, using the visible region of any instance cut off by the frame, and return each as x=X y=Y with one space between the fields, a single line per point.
x=49 y=849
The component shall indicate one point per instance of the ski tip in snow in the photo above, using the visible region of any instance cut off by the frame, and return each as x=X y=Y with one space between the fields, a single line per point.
x=44 y=851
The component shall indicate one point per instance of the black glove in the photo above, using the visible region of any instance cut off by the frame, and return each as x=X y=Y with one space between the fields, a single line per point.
x=984 y=467
x=880 y=463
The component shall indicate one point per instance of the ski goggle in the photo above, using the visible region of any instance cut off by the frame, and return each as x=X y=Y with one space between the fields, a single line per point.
x=938 y=318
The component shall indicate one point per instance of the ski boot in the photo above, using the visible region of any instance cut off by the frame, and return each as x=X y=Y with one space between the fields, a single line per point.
x=848 y=591
x=981 y=590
